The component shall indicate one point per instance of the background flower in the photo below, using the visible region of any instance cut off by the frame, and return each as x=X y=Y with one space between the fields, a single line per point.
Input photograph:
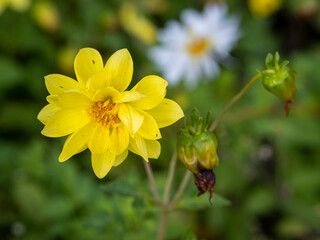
x=16 y=5
x=264 y=8
x=191 y=50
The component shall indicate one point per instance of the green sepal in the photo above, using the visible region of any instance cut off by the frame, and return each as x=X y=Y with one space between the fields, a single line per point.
x=279 y=79
x=196 y=146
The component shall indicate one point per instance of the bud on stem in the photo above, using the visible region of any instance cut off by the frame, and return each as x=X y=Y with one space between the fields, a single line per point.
x=197 y=150
x=279 y=79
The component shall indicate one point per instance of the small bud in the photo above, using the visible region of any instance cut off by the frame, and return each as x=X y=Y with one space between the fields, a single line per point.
x=279 y=79
x=197 y=150
x=197 y=147
x=205 y=146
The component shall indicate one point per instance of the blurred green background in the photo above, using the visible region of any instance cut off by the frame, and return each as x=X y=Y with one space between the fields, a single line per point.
x=269 y=173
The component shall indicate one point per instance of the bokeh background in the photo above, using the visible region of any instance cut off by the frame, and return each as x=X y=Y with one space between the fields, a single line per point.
x=268 y=181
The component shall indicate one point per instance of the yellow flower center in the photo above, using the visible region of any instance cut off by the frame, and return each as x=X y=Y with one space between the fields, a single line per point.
x=198 y=46
x=105 y=113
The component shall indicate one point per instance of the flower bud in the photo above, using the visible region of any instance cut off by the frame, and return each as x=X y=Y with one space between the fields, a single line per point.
x=197 y=150
x=205 y=146
x=197 y=147
x=279 y=79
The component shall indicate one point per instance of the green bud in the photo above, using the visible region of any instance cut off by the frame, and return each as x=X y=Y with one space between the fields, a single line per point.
x=279 y=79
x=197 y=147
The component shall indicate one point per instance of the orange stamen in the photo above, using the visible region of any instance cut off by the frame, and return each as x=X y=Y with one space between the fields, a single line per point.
x=105 y=113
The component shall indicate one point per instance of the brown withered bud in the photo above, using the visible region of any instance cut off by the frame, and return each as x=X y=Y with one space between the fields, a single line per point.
x=205 y=181
x=197 y=150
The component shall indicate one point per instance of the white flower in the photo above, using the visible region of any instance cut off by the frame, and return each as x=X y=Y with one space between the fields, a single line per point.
x=192 y=49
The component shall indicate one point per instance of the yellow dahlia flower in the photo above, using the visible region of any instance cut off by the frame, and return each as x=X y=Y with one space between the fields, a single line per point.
x=100 y=115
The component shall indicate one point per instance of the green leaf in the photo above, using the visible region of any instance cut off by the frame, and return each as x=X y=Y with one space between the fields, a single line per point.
x=196 y=203
x=29 y=198
x=120 y=188
x=10 y=73
x=125 y=189
x=138 y=202
x=261 y=200
x=189 y=235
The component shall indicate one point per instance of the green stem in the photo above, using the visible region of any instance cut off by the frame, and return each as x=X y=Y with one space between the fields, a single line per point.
x=162 y=229
x=152 y=183
x=233 y=100
x=180 y=190
x=167 y=207
x=172 y=168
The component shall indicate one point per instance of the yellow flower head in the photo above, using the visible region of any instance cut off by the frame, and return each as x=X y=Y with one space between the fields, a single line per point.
x=100 y=115
x=264 y=8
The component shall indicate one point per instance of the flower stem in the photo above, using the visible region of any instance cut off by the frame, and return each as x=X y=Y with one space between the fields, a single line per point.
x=233 y=100
x=180 y=189
x=166 y=207
x=172 y=168
x=162 y=229
x=152 y=183
x=164 y=210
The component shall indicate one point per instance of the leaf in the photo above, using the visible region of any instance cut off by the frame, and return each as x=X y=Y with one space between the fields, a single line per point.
x=120 y=188
x=138 y=202
x=30 y=198
x=125 y=189
x=10 y=73
x=97 y=221
x=189 y=235
x=196 y=203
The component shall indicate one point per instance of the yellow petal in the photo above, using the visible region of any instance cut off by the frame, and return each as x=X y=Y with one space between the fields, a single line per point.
x=153 y=88
x=54 y=100
x=87 y=63
x=120 y=158
x=138 y=146
x=47 y=112
x=145 y=148
x=65 y=121
x=57 y=83
x=130 y=117
x=76 y=142
x=128 y=96
x=119 y=140
x=102 y=163
x=97 y=81
x=119 y=68
x=149 y=128
x=166 y=113
x=153 y=148
x=105 y=94
x=74 y=99
x=99 y=139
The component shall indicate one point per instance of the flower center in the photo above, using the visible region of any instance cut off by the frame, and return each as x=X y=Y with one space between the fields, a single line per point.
x=105 y=113
x=198 y=46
